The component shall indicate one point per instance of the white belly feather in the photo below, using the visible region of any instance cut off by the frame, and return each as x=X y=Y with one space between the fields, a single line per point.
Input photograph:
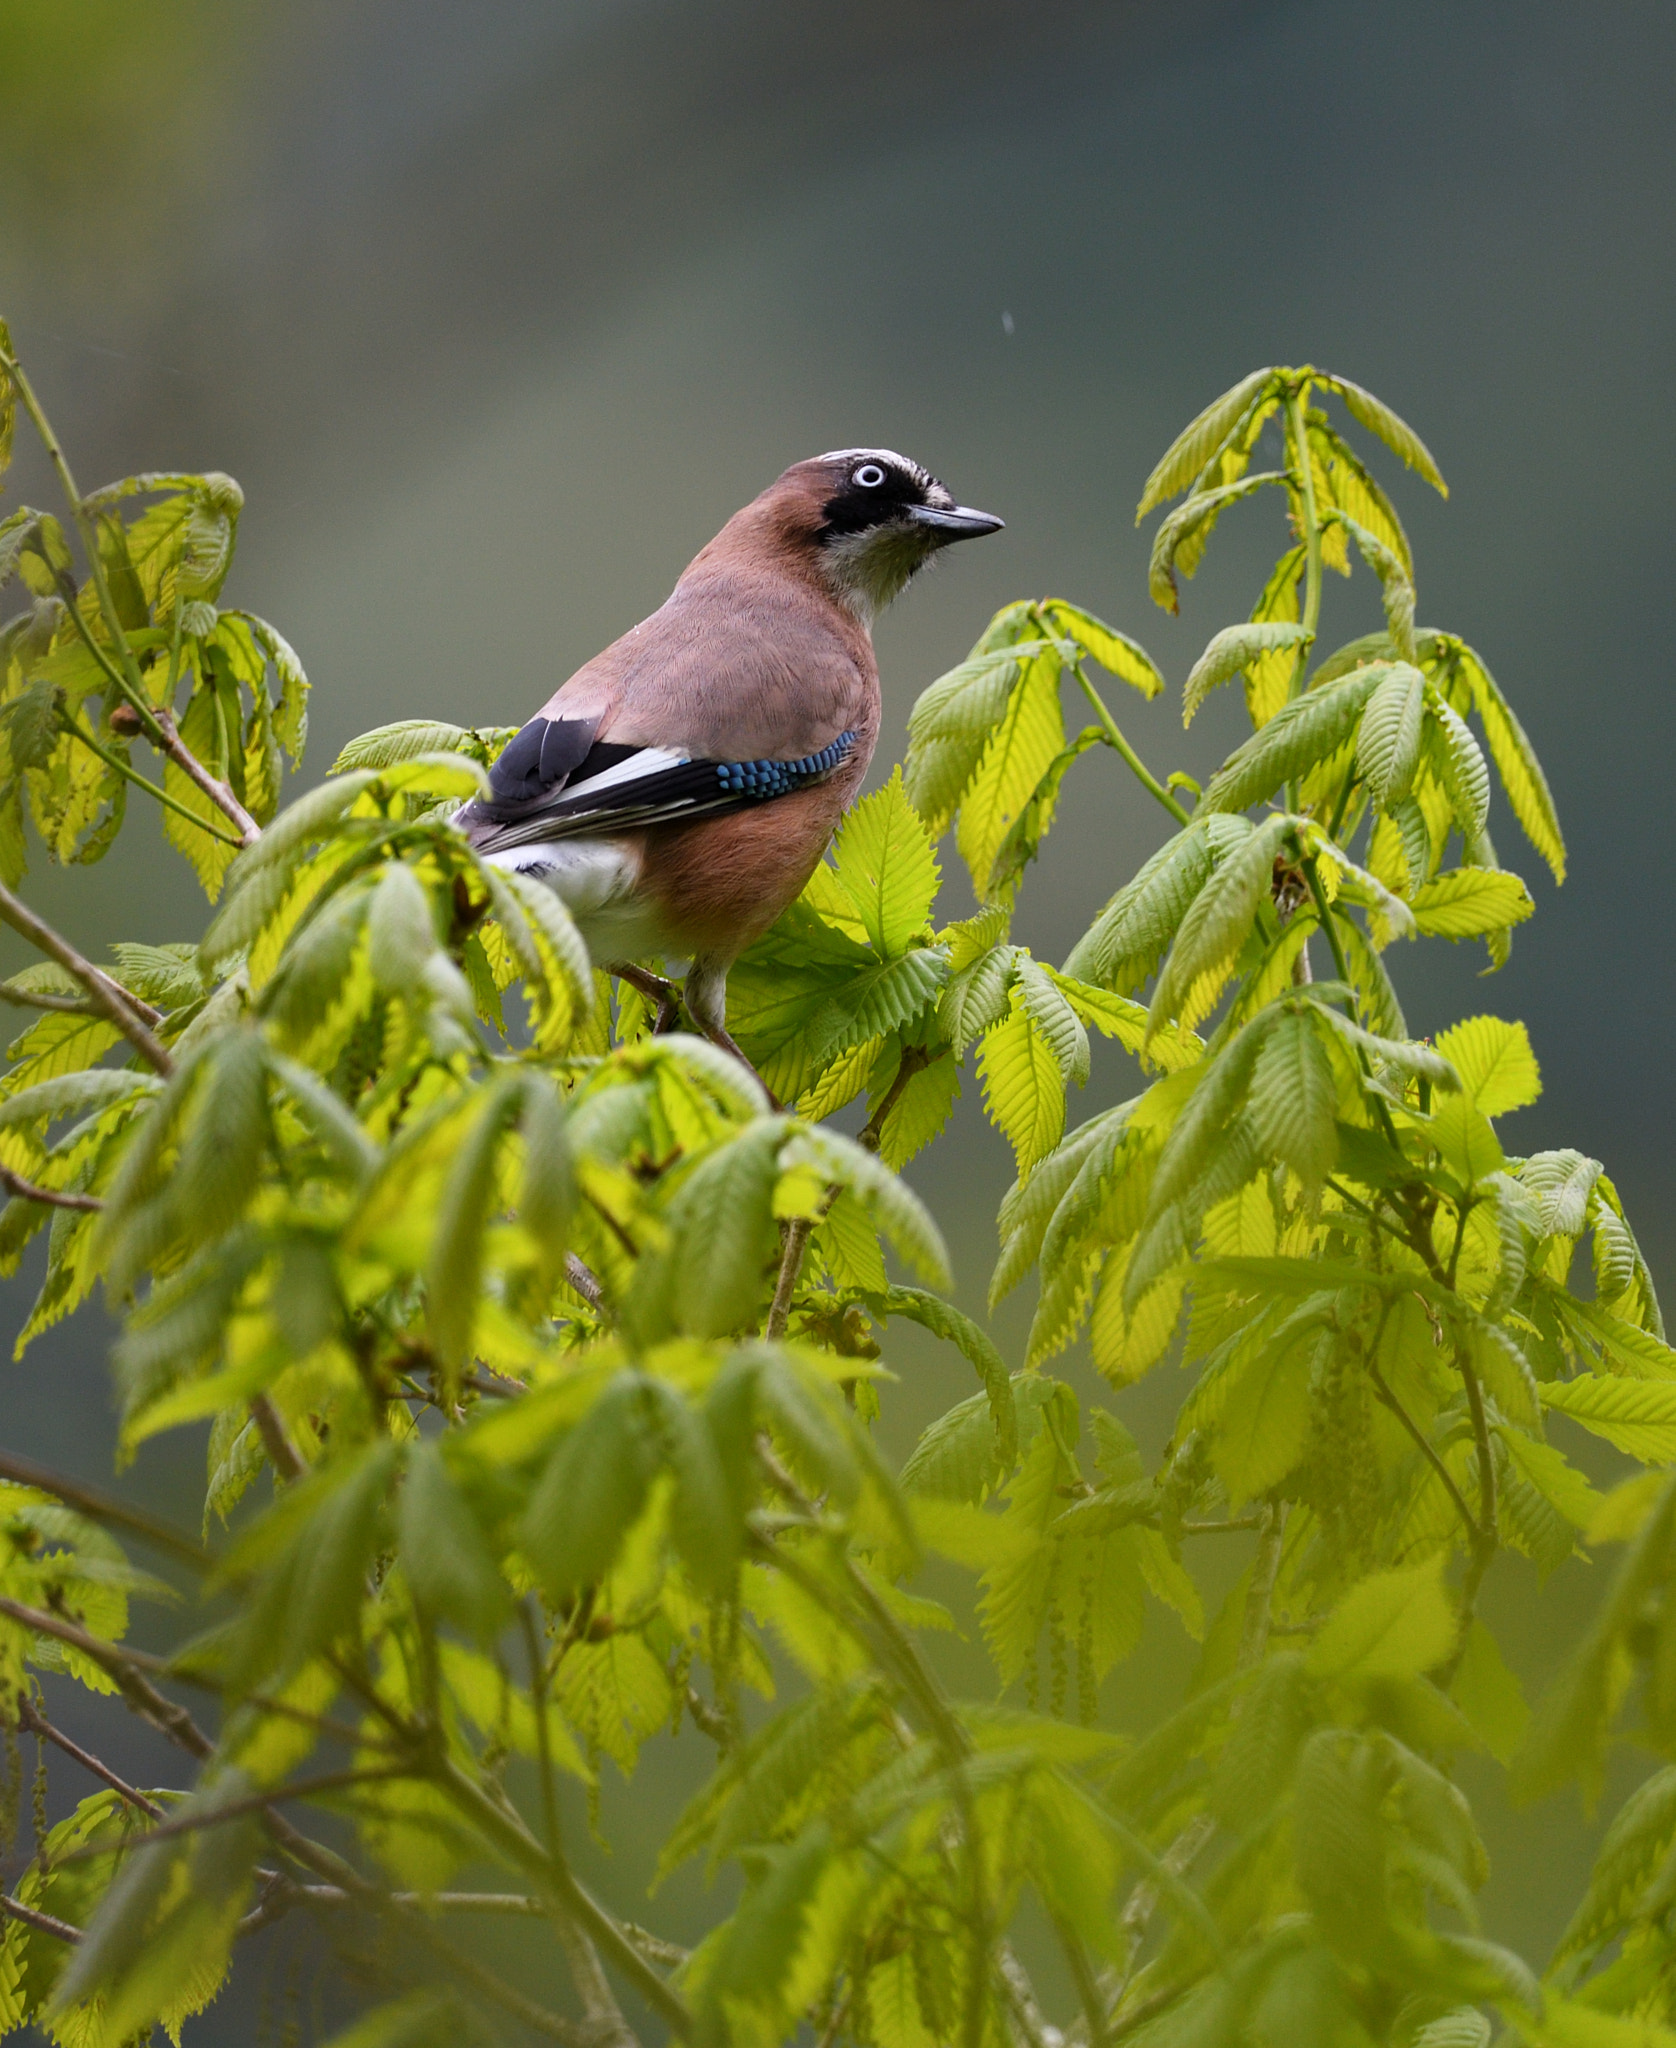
x=597 y=881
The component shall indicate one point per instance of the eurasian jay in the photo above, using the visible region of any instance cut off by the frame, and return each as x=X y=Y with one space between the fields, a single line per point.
x=678 y=791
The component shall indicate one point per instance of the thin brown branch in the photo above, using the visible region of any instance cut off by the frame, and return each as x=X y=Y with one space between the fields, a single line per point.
x=283 y=1454
x=176 y=750
x=583 y=1282
x=53 y=1198
x=37 y=1724
x=914 y=1059
x=151 y=1705
x=235 y=1809
x=43 y=1923
x=798 y=1231
x=36 y=999
x=108 y=997
x=1427 y=1450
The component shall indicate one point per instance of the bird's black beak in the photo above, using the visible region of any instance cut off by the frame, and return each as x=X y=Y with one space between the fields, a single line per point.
x=956 y=522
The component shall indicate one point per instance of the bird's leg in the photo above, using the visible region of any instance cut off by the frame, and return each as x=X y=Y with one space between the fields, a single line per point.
x=656 y=990
x=706 y=992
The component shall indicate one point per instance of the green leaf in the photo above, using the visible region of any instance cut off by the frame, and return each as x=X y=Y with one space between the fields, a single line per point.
x=1638 y=1416
x=401 y=936
x=1190 y=523
x=1379 y=419
x=1294 y=1099
x=1490 y=1696
x=1114 y=651
x=943 y=1320
x=1303 y=733
x=1024 y=1087
x=1465 y=1142
x=1515 y=758
x=896 y=1211
x=976 y=997
x=1217 y=925
x=1390 y=1625
x=1388 y=738
x=1047 y=1008
x=1465 y=903
x=444 y=1553
x=1193 y=447
x=1464 y=772
x=1396 y=582
x=1264 y=1425
x=1230 y=651
x=1019 y=753
x=454 y=1270
x=884 y=860
x=724 y=1230
x=593 y=1489
x=1562 y=1182
x=411 y=738
x=221 y=1158
x=952 y=724
x=1494 y=1059
x=1127 y=940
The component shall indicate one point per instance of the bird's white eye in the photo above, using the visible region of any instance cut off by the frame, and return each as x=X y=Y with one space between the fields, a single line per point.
x=869 y=476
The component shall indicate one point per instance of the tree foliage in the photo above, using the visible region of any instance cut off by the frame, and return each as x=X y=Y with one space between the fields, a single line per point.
x=540 y=1353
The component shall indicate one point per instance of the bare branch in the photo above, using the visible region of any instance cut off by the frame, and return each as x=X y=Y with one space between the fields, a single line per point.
x=54 y=1198
x=43 y=1923
x=283 y=1454
x=109 y=997
x=176 y=749
x=101 y=1507
x=37 y=999
x=163 y=1714
x=583 y=1281
x=37 y=1724
x=798 y=1231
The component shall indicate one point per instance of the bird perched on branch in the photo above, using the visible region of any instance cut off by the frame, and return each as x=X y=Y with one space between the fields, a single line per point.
x=678 y=791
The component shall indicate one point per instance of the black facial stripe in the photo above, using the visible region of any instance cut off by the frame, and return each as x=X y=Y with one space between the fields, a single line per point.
x=854 y=508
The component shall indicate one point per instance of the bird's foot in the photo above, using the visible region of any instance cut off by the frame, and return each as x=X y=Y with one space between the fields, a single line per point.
x=719 y=1035
x=656 y=989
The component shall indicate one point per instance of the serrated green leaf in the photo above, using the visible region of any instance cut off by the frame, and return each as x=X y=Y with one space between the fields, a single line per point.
x=444 y=1552
x=1024 y=1088
x=1465 y=903
x=1114 y=651
x=1374 y=414
x=1494 y=1059
x=1217 y=925
x=593 y=1489
x=1388 y=737
x=1302 y=734
x=885 y=862
x=1127 y=940
x=1193 y=447
x=1019 y=753
x=1391 y=1625
x=1186 y=529
x=724 y=1230
x=1638 y=1416
x=1293 y=1103
x=1233 y=649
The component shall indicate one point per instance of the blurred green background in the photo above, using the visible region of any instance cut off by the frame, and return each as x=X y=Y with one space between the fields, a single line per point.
x=497 y=311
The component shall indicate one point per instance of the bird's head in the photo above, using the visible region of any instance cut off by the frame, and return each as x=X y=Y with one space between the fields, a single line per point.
x=872 y=519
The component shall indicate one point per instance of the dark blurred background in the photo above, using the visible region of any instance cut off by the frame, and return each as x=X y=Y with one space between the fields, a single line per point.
x=498 y=311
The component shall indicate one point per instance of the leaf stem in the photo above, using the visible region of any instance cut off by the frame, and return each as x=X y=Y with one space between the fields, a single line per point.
x=1298 y=424
x=132 y=688
x=1426 y=1448
x=1114 y=738
x=76 y=731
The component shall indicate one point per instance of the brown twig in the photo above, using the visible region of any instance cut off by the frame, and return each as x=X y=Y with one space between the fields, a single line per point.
x=235 y=1809
x=54 y=1198
x=283 y=1454
x=913 y=1061
x=43 y=1923
x=38 y=1724
x=109 y=997
x=37 y=999
x=583 y=1282
x=176 y=750
x=151 y=1705
x=798 y=1230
